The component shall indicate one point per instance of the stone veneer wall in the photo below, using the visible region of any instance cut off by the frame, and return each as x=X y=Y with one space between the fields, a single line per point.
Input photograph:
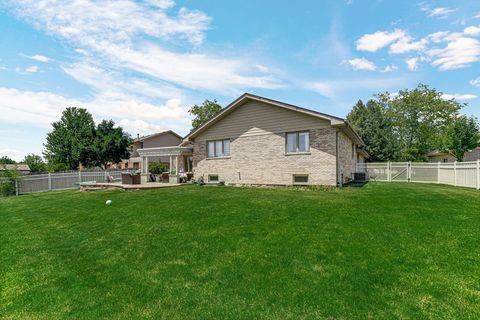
x=260 y=159
x=346 y=163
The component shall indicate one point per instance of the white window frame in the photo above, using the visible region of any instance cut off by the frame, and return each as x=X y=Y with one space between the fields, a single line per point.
x=217 y=153
x=297 y=133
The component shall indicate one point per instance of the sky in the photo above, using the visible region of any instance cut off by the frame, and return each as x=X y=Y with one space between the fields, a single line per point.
x=144 y=63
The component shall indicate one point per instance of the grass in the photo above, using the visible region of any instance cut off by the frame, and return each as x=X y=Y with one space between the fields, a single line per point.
x=382 y=251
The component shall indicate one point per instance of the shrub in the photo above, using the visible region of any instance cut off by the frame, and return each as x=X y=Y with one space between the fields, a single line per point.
x=7 y=181
x=157 y=167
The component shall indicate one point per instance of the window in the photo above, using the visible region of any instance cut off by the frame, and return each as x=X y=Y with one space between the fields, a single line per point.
x=297 y=142
x=300 y=179
x=353 y=150
x=218 y=148
x=213 y=178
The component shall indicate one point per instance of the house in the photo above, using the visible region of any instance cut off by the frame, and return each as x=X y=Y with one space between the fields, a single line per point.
x=442 y=156
x=260 y=141
x=22 y=168
x=158 y=140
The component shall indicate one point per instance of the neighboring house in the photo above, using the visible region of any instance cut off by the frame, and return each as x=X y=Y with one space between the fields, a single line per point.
x=259 y=141
x=157 y=140
x=22 y=168
x=440 y=156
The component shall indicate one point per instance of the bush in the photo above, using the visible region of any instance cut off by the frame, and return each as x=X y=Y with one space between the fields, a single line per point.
x=157 y=167
x=7 y=181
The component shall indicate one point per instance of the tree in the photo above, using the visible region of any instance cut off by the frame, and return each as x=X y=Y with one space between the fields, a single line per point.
x=35 y=163
x=375 y=128
x=6 y=160
x=420 y=119
x=8 y=179
x=462 y=136
x=71 y=139
x=111 y=144
x=57 y=166
x=204 y=112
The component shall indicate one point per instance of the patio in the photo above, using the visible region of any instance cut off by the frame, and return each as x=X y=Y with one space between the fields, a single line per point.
x=119 y=185
x=179 y=160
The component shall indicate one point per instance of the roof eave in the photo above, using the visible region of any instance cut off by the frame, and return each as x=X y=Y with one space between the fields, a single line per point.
x=247 y=96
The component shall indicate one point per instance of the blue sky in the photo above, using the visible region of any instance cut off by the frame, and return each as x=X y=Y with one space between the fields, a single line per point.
x=143 y=63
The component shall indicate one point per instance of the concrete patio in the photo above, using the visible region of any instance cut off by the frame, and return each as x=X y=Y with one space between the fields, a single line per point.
x=118 y=185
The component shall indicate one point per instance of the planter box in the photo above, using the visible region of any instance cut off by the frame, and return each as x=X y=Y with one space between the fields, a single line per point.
x=173 y=179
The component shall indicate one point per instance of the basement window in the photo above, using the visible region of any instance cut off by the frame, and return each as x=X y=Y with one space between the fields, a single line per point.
x=300 y=179
x=213 y=178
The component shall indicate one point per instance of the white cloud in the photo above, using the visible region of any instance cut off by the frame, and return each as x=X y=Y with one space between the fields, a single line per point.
x=37 y=57
x=438 y=37
x=475 y=82
x=262 y=68
x=472 y=31
x=459 y=53
x=162 y=4
x=460 y=97
x=112 y=21
x=32 y=69
x=362 y=64
x=439 y=12
x=40 y=109
x=389 y=68
x=118 y=35
x=378 y=40
x=406 y=44
x=477 y=16
x=412 y=63
x=115 y=84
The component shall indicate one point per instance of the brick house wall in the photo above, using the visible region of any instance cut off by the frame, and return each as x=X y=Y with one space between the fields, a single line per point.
x=347 y=156
x=261 y=159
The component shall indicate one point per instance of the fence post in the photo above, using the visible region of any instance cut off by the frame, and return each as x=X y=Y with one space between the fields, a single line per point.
x=455 y=173
x=409 y=171
x=16 y=186
x=439 y=166
x=49 y=181
x=79 y=176
x=105 y=177
x=478 y=174
x=389 y=171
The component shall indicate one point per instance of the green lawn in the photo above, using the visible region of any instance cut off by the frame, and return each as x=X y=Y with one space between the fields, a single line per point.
x=382 y=251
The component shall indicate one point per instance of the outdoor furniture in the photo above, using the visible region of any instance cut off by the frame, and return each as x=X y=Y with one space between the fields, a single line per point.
x=165 y=177
x=182 y=177
x=131 y=178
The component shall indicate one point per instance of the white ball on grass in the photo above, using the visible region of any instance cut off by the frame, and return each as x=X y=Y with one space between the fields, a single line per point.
x=108 y=202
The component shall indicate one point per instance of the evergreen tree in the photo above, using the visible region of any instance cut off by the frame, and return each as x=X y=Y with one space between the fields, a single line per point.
x=375 y=128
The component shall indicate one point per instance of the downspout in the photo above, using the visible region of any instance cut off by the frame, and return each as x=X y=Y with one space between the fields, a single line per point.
x=336 y=155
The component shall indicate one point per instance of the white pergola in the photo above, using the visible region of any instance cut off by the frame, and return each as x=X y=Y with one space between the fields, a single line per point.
x=175 y=154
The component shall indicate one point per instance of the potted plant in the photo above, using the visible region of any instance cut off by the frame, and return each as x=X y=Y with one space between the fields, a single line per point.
x=157 y=168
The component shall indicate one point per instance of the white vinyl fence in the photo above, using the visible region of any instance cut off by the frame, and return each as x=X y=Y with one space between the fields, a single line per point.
x=64 y=180
x=461 y=174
